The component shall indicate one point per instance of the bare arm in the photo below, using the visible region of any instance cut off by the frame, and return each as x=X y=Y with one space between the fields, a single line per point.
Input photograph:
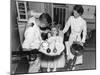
x=67 y=25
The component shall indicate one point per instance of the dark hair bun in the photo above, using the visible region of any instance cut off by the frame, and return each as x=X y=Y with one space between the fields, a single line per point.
x=79 y=9
x=45 y=16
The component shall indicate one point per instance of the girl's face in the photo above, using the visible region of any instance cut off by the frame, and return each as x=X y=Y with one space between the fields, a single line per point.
x=76 y=14
x=54 y=31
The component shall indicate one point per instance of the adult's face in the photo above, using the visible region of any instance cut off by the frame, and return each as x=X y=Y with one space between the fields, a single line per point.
x=76 y=14
x=43 y=23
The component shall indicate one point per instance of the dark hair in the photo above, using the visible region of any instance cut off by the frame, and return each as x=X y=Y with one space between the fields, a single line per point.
x=45 y=16
x=79 y=9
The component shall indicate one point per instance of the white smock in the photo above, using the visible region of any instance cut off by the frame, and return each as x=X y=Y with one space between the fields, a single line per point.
x=32 y=36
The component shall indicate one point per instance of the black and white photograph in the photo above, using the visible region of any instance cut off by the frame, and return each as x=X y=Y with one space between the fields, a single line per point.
x=52 y=37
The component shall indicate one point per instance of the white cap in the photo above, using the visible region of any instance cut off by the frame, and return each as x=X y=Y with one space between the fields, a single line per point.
x=34 y=13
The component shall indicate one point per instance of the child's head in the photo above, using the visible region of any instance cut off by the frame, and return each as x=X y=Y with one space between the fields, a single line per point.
x=77 y=10
x=45 y=19
x=54 y=30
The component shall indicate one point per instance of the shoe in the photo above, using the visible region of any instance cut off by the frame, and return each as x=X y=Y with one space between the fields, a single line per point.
x=54 y=70
x=73 y=68
x=48 y=70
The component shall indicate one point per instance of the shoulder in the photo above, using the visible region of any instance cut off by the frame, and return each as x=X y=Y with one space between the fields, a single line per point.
x=83 y=20
x=31 y=20
x=71 y=17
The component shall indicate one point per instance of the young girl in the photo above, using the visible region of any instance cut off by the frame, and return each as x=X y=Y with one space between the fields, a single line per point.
x=78 y=26
x=56 y=46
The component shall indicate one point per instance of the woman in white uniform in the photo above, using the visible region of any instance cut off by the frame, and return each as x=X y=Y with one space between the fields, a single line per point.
x=78 y=26
x=33 y=39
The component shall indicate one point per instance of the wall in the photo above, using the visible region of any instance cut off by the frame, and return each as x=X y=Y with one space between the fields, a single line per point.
x=36 y=6
x=48 y=8
x=15 y=40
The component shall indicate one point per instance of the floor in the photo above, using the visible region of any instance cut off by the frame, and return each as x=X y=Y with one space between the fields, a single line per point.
x=89 y=59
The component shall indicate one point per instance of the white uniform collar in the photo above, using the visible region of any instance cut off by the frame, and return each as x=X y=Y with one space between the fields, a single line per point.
x=77 y=18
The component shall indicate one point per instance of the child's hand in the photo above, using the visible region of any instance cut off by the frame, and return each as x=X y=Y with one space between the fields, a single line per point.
x=61 y=34
x=81 y=43
x=46 y=31
x=58 y=53
x=49 y=35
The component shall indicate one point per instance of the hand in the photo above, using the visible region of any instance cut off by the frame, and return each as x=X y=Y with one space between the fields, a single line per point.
x=62 y=31
x=82 y=43
x=58 y=53
x=46 y=31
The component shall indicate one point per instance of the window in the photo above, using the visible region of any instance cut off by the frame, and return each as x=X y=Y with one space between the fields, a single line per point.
x=59 y=14
x=22 y=10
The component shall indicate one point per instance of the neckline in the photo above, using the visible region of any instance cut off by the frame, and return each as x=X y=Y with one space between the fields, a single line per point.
x=77 y=18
